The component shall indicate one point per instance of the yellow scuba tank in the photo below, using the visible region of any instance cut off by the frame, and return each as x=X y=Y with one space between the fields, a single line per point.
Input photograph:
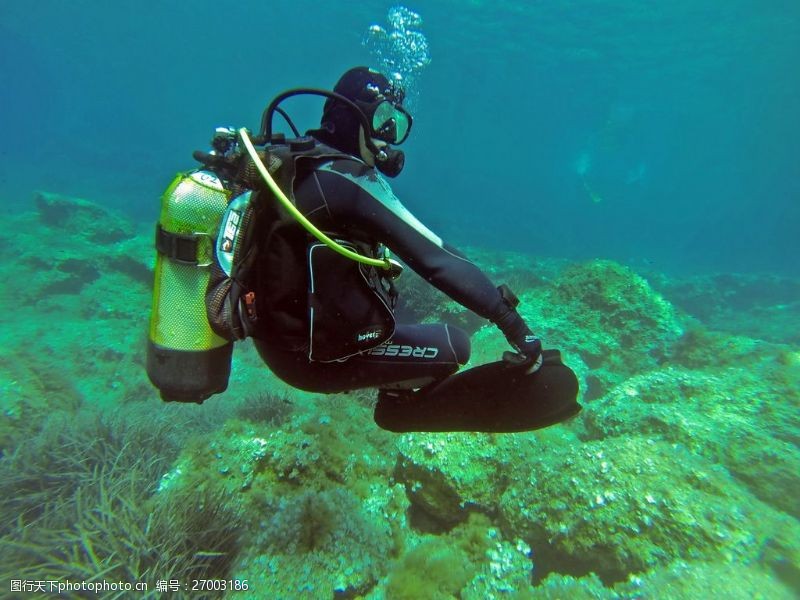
x=186 y=360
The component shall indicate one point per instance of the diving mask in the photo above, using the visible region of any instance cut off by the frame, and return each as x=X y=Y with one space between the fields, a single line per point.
x=390 y=122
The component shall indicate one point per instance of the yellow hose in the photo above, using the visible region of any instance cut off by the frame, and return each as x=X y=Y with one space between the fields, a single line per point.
x=287 y=204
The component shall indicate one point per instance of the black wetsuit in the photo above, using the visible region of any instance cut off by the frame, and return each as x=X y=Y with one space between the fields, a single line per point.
x=349 y=200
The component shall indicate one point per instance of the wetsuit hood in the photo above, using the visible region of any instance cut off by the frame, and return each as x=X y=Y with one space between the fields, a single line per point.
x=340 y=127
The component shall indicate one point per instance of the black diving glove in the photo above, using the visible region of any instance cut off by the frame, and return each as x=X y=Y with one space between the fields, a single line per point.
x=519 y=335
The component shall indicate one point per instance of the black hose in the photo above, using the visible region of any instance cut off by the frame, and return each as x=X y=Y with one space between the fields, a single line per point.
x=282 y=113
x=266 y=118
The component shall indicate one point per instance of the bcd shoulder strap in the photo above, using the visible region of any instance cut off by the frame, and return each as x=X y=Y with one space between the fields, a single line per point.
x=230 y=299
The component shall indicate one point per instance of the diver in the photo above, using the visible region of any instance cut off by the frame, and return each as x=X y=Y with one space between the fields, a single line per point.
x=324 y=323
x=347 y=196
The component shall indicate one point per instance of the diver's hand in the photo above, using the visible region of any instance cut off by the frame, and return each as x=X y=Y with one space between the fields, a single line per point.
x=527 y=356
x=528 y=347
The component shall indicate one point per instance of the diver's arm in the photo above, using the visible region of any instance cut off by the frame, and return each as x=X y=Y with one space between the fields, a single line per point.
x=366 y=206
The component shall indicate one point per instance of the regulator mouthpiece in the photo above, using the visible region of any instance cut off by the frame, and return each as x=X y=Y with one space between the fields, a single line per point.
x=390 y=162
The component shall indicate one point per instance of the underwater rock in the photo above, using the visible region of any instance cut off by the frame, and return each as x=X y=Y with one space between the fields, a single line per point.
x=86 y=244
x=450 y=474
x=309 y=450
x=330 y=501
x=333 y=442
x=473 y=561
x=436 y=568
x=607 y=321
x=231 y=460
x=82 y=218
x=696 y=579
x=316 y=490
x=626 y=505
x=80 y=306
x=758 y=305
x=612 y=318
x=318 y=544
x=680 y=580
x=701 y=349
x=556 y=587
x=731 y=416
x=505 y=570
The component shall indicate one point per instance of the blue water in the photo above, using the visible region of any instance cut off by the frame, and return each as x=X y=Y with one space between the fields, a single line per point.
x=662 y=135
x=658 y=133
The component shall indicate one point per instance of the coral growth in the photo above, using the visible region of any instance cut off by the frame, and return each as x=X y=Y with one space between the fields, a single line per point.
x=630 y=504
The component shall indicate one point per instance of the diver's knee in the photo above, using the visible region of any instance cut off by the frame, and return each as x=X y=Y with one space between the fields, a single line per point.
x=459 y=343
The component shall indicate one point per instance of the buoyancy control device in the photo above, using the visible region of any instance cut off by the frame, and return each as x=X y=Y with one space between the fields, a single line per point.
x=199 y=305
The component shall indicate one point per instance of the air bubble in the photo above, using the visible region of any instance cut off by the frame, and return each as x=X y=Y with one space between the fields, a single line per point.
x=400 y=50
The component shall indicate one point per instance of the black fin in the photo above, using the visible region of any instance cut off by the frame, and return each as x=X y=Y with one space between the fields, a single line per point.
x=495 y=398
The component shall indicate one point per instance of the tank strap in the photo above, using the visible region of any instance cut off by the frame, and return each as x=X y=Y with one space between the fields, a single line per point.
x=180 y=247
